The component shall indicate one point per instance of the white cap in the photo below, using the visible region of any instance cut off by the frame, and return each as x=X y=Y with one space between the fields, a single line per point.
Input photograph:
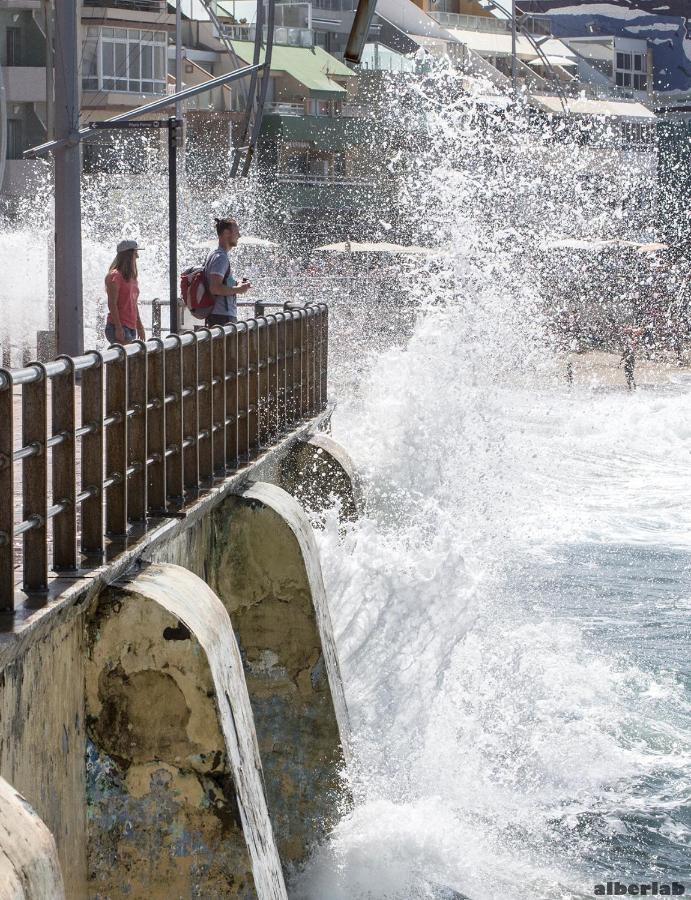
x=128 y=245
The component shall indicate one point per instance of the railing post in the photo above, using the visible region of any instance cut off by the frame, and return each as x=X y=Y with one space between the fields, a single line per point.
x=116 y=444
x=35 y=482
x=253 y=389
x=174 y=433
x=281 y=370
x=312 y=360
x=156 y=317
x=138 y=390
x=64 y=462
x=272 y=373
x=206 y=406
x=92 y=457
x=231 y=405
x=291 y=330
x=7 y=494
x=219 y=392
x=243 y=395
x=304 y=365
x=156 y=429
x=190 y=413
x=325 y=356
x=263 y=391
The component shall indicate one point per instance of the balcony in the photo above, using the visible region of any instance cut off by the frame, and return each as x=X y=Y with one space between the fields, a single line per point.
x=155 y=6
x=285 y=109
x=321 y=109
x=25 y=84
x=488 y=23
x=320 y=179
x=283 y=35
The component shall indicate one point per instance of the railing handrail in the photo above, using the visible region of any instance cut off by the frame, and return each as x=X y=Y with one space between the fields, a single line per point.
x=172 y=414
x=36 y=371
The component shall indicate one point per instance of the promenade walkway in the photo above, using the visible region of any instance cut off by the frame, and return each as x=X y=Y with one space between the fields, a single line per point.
x=100 y=444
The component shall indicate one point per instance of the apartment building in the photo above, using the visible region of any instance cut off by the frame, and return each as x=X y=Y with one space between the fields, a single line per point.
x=22 y=57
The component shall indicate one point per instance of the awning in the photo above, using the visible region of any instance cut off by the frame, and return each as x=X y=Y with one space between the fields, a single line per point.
x=498 y=43
x=310 y=66
x=562 y=61
x=599 y=246
x=620 y=109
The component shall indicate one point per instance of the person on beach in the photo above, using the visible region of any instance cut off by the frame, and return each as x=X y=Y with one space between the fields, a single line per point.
x=628 y=357
x=124 y=324
x=222 y=285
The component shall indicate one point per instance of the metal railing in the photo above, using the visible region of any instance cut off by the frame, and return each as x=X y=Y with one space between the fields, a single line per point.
x=114 y=437
x=137 y=5
x=285 y=109
x=318 y=179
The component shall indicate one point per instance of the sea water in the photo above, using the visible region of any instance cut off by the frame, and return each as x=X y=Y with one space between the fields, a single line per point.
x=512 y=608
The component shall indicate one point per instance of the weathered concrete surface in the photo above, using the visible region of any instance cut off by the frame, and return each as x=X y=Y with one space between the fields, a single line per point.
x=318 y=469
x=29 y=867
x=175 y=793
x=42 y=740
x=266 y=571
x=42 y=732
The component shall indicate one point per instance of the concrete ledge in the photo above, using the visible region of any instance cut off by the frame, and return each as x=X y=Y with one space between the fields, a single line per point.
x=266 y=571
x=174 y=780
x=29 y=868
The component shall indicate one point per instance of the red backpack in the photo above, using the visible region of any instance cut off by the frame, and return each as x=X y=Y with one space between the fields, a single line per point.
x=194 y=290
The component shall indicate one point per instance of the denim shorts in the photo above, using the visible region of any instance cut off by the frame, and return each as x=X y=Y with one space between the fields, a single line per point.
x=215 y=319
x=130 y=333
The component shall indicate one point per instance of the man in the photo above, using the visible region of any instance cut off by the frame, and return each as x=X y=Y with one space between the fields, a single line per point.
x=224 y=288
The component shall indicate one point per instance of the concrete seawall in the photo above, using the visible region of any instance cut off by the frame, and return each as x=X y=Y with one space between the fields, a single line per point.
x=111 y=702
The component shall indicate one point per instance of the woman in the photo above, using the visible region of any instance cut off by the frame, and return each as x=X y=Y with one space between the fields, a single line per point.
x=123 y=324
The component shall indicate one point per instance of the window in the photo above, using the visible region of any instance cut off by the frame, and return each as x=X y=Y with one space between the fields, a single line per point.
x=13 y=47
x=631 y=71
x=125 y=59
x=14 y=139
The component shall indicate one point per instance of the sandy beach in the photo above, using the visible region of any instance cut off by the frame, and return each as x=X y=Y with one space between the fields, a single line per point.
x=601 y=368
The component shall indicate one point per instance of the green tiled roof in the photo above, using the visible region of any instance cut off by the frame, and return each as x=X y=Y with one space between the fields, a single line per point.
x=311 y=66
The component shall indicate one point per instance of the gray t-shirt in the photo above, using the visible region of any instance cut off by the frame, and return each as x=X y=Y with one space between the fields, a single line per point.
x=217 y=264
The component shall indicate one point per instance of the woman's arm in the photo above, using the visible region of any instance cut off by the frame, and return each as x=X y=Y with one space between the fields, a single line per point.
x=112 y=289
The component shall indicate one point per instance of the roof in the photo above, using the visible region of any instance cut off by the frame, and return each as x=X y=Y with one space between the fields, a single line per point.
x=621 y=109
x=311 y=66
x=496 y=43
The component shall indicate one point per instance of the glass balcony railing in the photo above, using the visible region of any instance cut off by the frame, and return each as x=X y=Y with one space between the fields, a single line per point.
x=489 y=23
x=471 y=23
x=285 y=109
x=288 y=37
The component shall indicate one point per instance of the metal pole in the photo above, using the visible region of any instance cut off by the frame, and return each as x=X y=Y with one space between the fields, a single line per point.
x=178 y=56
x=514 y=61
x=68 y=236
x=173 y=222
x=50 y=70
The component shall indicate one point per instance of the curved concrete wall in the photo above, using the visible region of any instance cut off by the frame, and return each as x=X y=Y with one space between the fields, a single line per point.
x=163 y=803
x=319 y=469
x=266 y=570
x=29 y=867
x=42 y=736
x=175 y=784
